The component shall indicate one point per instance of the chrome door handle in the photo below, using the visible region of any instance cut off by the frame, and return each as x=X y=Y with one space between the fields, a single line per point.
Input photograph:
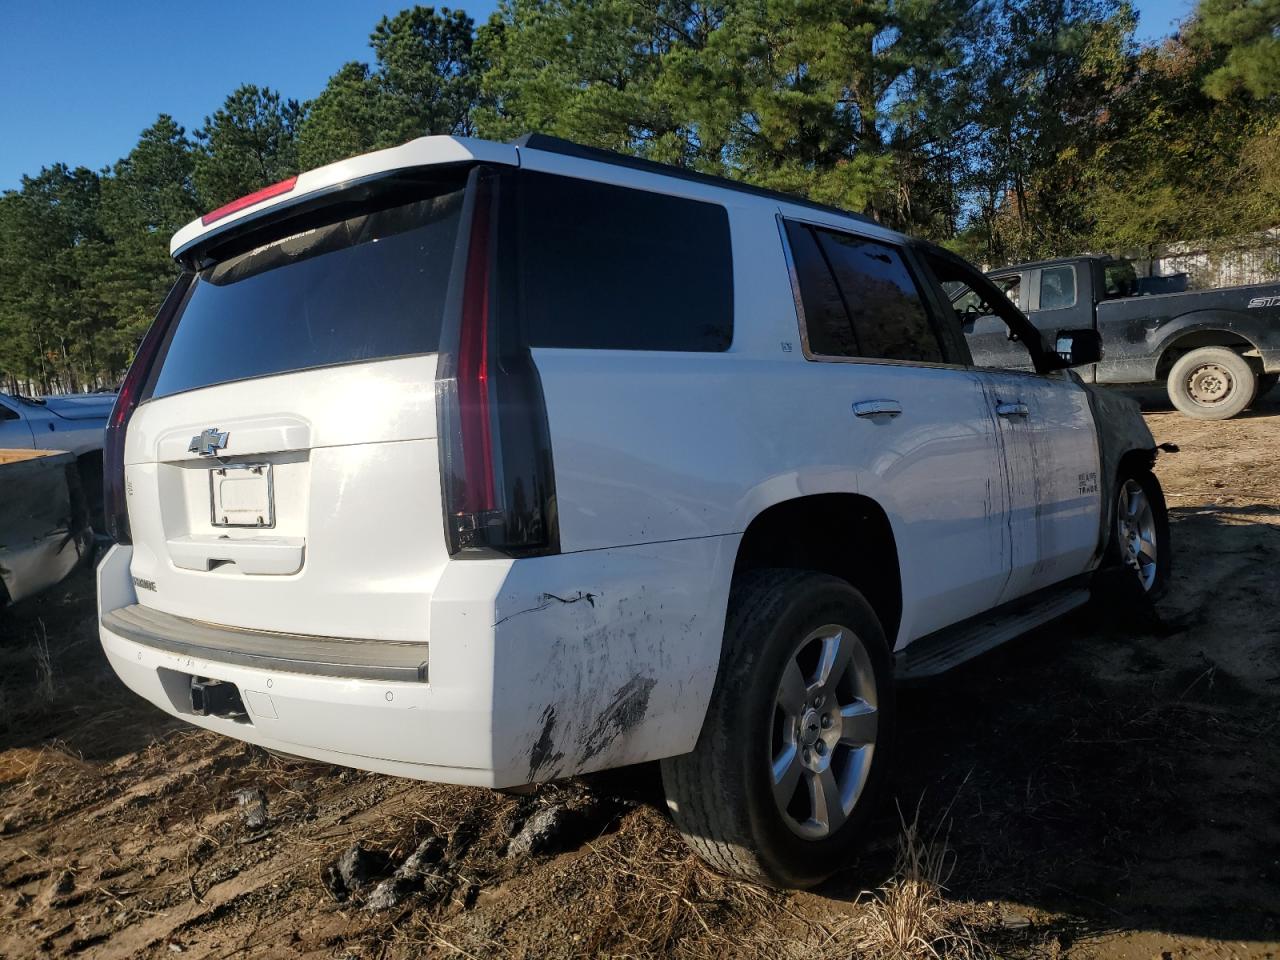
x=1015 y=409
x=877 y=408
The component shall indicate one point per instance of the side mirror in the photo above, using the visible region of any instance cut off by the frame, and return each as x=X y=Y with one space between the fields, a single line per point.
x=1077 y=348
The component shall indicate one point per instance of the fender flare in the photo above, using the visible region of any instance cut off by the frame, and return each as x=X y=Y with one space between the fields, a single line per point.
x=1122 y=435
x=1205 y=321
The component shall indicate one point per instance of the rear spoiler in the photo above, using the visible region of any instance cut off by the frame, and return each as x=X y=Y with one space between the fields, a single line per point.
x=423 y=152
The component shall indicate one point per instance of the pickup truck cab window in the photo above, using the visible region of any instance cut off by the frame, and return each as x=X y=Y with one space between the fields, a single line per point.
x=860 y=298
x=7 y=414
x=1057 y=288
x=968 y=302
x=1011 y=287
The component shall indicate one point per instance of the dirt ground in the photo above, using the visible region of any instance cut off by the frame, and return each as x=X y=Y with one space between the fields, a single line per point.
x=1106 y=787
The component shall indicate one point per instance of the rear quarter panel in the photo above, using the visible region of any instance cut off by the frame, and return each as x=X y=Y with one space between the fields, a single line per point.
x=607 y=654
x=663 y=446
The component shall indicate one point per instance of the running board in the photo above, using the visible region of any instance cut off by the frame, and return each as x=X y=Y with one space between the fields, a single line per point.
x=951 y=646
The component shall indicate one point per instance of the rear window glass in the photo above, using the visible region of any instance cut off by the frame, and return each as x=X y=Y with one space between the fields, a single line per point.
x=368 y=287
x=610 y=268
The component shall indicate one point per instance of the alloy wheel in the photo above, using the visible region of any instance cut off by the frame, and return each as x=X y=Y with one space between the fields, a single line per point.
x=1136 y=532
x=823 y=731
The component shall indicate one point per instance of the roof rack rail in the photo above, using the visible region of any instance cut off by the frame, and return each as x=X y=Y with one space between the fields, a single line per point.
x=550 y=144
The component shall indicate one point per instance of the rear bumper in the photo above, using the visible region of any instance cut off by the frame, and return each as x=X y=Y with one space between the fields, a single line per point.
x=539 y=669
x=394 y=728
x=312 y=656
x=301 y=705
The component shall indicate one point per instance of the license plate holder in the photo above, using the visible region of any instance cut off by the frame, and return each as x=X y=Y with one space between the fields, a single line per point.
x=242 y=495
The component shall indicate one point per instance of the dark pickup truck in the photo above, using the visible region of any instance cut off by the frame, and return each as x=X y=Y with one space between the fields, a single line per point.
x=1216 y=350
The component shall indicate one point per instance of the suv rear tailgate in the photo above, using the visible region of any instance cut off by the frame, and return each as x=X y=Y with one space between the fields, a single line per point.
x=282 y=472
x=355 y=539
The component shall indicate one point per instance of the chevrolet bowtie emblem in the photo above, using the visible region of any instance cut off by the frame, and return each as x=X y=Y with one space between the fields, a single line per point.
x=208 y=443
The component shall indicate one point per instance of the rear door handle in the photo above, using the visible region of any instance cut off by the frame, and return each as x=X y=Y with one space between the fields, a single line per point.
x=877 y=408
x=1015 y=409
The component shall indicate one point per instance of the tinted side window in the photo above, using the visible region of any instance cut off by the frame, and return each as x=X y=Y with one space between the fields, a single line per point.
x=890 y=319
x=1057 y=288
x=611 y=268
x=825 y=319
x=7 y=414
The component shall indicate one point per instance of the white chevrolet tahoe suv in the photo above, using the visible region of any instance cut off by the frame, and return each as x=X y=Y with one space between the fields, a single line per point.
x=494 y=464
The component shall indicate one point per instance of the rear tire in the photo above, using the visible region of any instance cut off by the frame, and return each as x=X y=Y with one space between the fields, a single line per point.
x=1212 y=383
x=802 y=709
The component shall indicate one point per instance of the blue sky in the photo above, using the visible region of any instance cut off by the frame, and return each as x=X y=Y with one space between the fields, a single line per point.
x=80 y=80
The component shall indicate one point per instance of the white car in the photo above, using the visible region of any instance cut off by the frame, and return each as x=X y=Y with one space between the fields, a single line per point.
x=499 y=463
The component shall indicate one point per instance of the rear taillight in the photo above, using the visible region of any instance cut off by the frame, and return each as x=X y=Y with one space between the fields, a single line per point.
x=495 y=450
x=477 y=495
x=115 y=504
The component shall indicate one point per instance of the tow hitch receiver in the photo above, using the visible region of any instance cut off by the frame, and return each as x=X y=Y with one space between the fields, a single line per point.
x=215 y=698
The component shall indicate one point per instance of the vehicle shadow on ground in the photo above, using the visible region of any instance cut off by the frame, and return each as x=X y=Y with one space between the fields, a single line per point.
x=1118 y=768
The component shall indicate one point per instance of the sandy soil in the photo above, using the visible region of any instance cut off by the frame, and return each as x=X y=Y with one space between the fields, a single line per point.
x=1108 y=787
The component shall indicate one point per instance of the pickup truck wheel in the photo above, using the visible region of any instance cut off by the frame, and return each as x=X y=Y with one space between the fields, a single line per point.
x=1212 y=383
x=1140 y=537
x=795 y=743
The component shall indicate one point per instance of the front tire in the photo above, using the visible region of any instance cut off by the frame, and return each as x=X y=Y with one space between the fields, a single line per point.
x=1212 y=383
x=795 y=744
x=1140 y=531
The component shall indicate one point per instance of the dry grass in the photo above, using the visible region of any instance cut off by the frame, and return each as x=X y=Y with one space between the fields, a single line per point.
x=28 y=765
x=909 y=918
x=44 y=662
